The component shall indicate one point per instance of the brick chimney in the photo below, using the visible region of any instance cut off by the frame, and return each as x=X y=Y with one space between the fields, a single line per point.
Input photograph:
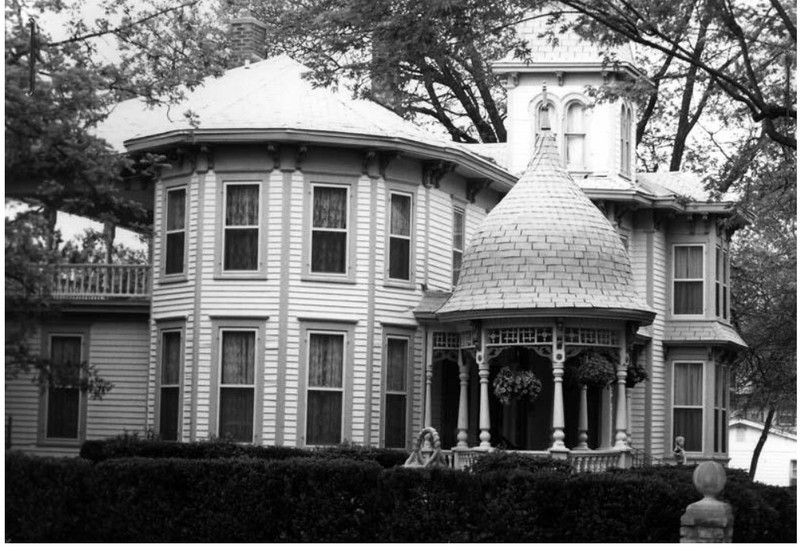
x=248 y=38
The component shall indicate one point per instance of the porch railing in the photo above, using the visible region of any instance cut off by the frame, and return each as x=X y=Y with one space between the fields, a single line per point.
x=102 y=281
x=593 y=460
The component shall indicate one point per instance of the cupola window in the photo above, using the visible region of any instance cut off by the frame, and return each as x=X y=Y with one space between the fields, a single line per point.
x=574 y=136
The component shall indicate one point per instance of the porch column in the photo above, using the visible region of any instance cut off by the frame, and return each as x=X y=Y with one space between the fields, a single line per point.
x=583 y=421
x=558 y=390
x=621 y=437
x=484 y=421
x=463 y=406
x=428 y=380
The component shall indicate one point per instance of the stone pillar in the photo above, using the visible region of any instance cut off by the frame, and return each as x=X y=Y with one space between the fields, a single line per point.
x=463 y=406
x=709 y=519
x=484 y=420
x=583 y=421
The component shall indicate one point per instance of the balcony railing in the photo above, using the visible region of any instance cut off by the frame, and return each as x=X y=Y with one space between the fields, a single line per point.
x=102 y=281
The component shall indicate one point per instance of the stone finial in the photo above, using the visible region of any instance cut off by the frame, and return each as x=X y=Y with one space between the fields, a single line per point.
x=709 y=519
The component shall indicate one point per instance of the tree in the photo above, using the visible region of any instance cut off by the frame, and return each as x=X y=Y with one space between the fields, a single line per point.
x=427 y=58
x=764 y=291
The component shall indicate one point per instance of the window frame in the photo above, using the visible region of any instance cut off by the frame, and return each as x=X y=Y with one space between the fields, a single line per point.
x=456 y=272
x=722 y=282
x=676 y=280
x=701 y=407
x=162 y=328
x=571 y=133
x=408 y=337
x=241 y=179
x=721 y=408
x=326 y=327
x=626 y=151
x=411 y=238
x=313 y=181
x=44 y=396
x=258 y=327
x=182 y=275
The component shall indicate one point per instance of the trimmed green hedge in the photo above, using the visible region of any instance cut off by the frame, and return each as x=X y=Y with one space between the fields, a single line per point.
x=128 y=446
x=318 y=499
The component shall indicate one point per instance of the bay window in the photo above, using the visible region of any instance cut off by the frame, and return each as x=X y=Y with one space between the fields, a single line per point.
x=687 y=404
x=721 y=401
x=625 y=150
x=400 y=226
x=396 y=391
x=241 y=228
x=688 y=279
x=175 y=232
x=325 y=388
x=722 y=283
x=329 y=229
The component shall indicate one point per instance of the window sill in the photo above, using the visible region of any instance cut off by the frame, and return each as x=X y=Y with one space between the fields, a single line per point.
x=59 y=443
x=258 y=276
x=399 y=284
x=172 y=279
x=328 y=279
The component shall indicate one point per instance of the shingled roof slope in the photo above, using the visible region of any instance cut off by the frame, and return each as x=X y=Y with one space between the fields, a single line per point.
x=545 y=247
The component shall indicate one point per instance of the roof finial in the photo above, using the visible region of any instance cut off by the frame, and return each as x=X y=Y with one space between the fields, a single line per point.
x=544 y=110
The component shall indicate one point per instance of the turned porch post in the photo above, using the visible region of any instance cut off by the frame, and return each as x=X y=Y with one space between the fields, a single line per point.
x=428 y=380
x=484 y=423
x=621 y=437
x=463 y=406
x=558 y=390
x=583 y=421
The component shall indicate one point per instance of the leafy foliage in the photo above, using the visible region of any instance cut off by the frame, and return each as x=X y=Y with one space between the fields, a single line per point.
x=513 y=382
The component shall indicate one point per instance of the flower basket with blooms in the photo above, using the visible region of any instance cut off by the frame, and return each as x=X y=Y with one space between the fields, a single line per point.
x=593 y=369
x=636 y=374
x=513 y=383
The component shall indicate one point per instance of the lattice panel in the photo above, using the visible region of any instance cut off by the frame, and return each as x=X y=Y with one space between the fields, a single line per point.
x=591 y=336
x=443 y=340
x=520 y=336
x=466 y=340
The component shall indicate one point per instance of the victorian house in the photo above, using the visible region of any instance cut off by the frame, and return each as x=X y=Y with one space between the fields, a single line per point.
x=324 y=271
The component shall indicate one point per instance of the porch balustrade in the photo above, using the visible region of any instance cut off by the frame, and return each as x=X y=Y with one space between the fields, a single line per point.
x=582 y=461
x=102 y=281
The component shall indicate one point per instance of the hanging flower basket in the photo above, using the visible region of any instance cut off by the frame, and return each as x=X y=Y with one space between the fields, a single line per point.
x=636 y=374
x=593 y=369
x=513 y=383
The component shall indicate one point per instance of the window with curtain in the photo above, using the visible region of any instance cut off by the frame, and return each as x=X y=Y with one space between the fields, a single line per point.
x=169 y=391
x=458 y=242
x=400 y=237
x=575 y=136
x=721 y=400
x=63 y=394
x=688 y=261
x=329 y=226
x=325 y=390
x=687 y=403
x=241 y=227
x=176 y=231
x=237 y=384
x=396 y=392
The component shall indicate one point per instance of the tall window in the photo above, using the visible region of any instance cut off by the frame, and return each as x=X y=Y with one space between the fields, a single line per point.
x=687 y=404
x=175 y=245
x=329 y=230
x=237 y=384
x=625 y=140
x=722 y=283
x=400 y=237
x=574 y=136
x=721 y=398
x=325 y=391
x=545 y=115
x=64 y=394
x=241 y=229
x=169 y=392
x=458 y=242
x=396 y=391
x=688 y=279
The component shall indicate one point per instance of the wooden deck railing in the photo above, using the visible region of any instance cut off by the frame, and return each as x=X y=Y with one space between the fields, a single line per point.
x=102 y=281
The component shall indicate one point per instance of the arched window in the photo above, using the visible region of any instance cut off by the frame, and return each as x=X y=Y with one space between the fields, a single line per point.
x=625 y=140
x=574 y=136
x=545 y=117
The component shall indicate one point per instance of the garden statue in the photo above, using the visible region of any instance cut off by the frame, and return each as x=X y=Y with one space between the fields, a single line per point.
x=678 y=452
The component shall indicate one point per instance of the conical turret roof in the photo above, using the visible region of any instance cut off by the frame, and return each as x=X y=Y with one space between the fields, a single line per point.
x=545 y=250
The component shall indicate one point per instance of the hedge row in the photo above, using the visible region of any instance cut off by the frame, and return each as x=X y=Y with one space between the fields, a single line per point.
x=132 y=446
x=345 y=500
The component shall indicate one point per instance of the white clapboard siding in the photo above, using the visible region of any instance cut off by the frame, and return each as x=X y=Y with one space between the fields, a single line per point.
x=661 y=441
x=22 y=402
